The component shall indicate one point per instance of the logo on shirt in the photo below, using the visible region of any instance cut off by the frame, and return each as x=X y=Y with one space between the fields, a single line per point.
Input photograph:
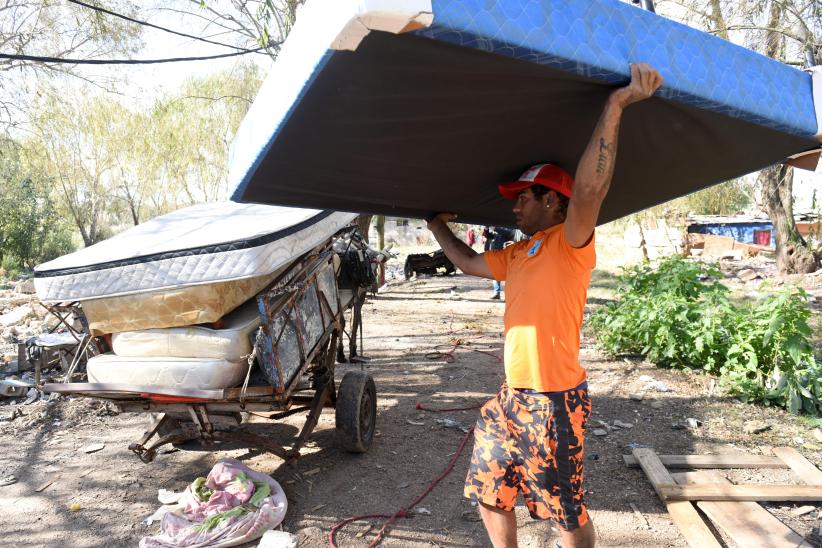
x=534 y=248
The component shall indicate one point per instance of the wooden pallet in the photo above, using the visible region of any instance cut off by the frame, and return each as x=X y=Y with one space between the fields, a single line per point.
x=733 y=508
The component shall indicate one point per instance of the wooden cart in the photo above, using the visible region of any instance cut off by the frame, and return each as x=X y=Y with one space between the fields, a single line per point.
x=291 y=370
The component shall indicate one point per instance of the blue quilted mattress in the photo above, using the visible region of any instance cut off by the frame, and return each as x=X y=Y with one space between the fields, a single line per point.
x=408 y=107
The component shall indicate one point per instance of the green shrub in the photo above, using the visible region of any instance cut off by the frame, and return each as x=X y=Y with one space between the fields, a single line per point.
x=674 y=315
x=57 y=242
x=771 y=359
x=11 y=266
x=680 y=315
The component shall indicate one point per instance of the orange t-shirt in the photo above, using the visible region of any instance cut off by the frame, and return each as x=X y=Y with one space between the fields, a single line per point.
x=546 y=282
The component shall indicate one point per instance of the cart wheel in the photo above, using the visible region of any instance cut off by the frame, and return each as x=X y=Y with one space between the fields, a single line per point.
x=356 y=411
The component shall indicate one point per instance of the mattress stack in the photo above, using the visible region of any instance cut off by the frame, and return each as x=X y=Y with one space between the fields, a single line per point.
x=193 y=357
x=177 y=294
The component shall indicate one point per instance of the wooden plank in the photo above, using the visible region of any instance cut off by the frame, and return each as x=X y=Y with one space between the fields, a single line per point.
x=683 y=513
x=251 y=392
x=759 y=493
x=803 y=468
x=747 y=523
x=714 y=461
x=655 y=470
x=691 y=525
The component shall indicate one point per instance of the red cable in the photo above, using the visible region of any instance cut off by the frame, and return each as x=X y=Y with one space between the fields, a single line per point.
x=402 y=512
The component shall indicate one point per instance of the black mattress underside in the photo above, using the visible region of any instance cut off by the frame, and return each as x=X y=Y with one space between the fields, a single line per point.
x=407 y=126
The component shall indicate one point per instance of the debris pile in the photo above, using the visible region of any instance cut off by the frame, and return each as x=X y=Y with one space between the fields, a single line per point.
x=232 y=506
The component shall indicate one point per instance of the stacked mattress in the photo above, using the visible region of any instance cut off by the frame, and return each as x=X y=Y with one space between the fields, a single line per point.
x=193 y=357
x=187 y=267
x=151 y=287
x=408 y=107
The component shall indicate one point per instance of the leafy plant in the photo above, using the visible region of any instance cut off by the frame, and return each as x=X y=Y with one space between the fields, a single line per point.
x=680 y=315
x=771 y=359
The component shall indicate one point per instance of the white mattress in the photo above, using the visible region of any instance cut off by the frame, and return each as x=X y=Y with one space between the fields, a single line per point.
x=167 y=372
x=230 y=343
x=201 y=244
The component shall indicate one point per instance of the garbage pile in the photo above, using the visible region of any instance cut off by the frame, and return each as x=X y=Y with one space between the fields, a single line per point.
x=232 y=506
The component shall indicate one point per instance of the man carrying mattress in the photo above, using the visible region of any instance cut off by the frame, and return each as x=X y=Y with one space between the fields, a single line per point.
x=529 y=438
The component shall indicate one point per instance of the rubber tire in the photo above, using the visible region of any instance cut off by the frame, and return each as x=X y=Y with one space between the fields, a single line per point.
x=356 y=412
x=408 y=271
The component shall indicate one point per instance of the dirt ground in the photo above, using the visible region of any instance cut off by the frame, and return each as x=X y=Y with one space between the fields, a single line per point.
x=405 y=327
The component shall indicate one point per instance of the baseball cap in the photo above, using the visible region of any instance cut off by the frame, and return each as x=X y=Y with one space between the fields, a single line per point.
x=548 y=175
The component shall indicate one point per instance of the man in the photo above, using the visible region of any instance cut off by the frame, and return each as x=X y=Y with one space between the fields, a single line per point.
x=529 y=438
x=497 y=237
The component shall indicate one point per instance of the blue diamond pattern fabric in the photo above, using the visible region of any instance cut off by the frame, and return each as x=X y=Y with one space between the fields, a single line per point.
x=598 y=39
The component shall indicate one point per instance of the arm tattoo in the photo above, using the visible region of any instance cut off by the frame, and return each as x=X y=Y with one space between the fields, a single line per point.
x=605 y=155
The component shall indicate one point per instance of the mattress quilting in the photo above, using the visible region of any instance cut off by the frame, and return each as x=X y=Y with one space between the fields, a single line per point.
x=167 y=372
x=231 y=342
x=175 y=307
x=202 y=244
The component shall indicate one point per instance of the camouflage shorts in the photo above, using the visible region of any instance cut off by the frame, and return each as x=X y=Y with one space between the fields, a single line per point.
x=532 y=443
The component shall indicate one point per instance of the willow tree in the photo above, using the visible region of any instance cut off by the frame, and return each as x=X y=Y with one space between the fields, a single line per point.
x=789 y=31
x=77 y=147
x=189 y=133
x=54 y=28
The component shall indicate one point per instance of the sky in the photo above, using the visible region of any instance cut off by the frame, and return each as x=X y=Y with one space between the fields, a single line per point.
x=146 y=82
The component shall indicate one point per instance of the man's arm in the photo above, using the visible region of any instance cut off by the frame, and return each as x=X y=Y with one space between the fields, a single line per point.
x=596 y=167
x=457 y=251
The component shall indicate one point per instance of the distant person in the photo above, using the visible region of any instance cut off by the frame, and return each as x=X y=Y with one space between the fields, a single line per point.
x=529 y=439
x=470 y=237
x=496 y=238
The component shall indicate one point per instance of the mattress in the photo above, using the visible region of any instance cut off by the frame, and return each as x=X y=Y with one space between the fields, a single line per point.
x=408 y=107
x=175 y=307
x=167 y=372
x=232 y=342
x=201 y=245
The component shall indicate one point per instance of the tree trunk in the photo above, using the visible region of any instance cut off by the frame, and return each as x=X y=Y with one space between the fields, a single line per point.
x=719 y=20
x=134 y=216
x=364 y=223
x=793 y=255
x=379 y=224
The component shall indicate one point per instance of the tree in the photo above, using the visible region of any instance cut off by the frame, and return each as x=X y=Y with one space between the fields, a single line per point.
x=53 y=28
x=77 y=149
x=789 y=31
x=262 y=22
x=30 y=227
x=115 y=166
x=190 y=132
x=728 y=198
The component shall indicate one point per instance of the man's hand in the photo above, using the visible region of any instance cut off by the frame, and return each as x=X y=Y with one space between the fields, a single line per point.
x=440 y=217
x=645 y=80
x=457 y=251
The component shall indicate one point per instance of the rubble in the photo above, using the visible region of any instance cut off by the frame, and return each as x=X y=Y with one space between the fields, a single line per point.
x=94 y=447
x=16 y=316
x=25 y=286
x=755 y=427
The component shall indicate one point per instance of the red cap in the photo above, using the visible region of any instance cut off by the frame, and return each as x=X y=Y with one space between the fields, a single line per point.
x=548 y=175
